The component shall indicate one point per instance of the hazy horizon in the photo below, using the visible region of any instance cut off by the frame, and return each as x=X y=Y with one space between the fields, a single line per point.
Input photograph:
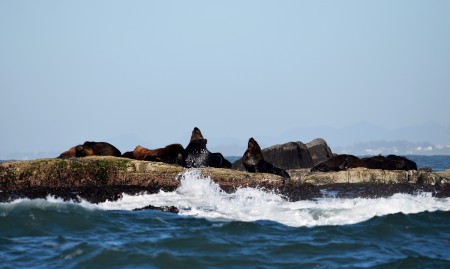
x=150 y=71
x=352 y=139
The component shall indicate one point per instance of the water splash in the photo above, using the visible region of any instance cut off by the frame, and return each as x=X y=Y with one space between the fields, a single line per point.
x=199 y=196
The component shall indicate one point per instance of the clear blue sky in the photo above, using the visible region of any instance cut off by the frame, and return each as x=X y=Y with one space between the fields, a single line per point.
x=72 y=71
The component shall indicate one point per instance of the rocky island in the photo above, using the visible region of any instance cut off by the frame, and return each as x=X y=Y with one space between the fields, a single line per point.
x=98 y=171
x=101 y=178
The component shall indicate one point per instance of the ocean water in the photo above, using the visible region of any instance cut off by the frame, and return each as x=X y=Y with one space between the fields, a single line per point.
x=246 y=229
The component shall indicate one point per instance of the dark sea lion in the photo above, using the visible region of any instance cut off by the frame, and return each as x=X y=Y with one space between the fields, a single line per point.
x=90 y=148
x=254 y=162
x=380 y=162
x=217 y=160
x=128 y=154
x=173 y=154
x=197 y=155
x=407 y=163
x=335 y=163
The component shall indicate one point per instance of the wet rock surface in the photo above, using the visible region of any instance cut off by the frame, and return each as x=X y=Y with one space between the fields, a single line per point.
x=97 y=179
x=92 y=194
x=170 y=209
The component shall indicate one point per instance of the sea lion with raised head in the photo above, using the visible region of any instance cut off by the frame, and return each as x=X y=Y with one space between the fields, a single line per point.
x=253 y=161
x=197 y=155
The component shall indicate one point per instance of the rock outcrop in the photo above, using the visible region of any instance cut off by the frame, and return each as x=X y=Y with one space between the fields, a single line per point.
x=319 y=150
x=99 y=178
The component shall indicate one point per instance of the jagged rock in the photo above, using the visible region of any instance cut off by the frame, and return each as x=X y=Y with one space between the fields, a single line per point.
x=319 y=150
x=292 y=155
x=170 y=209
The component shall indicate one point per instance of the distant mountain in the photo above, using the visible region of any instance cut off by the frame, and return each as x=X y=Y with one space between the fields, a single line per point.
x=430 y=132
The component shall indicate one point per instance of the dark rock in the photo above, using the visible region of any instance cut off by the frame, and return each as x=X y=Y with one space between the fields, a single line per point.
x=170 y=209
x=292 y=155
x=319 y=150
x=90 y=193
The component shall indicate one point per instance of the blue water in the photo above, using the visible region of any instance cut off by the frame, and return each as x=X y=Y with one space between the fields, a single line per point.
x=247 y=229
x=437 y=163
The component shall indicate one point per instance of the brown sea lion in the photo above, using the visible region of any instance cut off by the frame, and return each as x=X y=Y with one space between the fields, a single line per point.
x=254 y=162
x=68 y=154
x=90 y=148
x=140 y=152
x=173 y=154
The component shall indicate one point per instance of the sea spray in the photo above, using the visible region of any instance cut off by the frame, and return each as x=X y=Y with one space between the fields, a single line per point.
x=199 y=196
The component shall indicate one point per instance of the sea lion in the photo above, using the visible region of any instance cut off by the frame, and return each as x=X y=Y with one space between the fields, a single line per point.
x=380 y=162
x=197 y=155
x=254 y=162
x=335 y=163
x=217 y=160
x=70 y=153
x=128 y=154
x=90 y=148
x=408 y=164
x=139 y=153
x=173 y=154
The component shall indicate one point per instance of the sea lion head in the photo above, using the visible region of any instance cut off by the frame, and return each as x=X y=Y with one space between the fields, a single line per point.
x=68 y=154
x=196 y=134
x=83 y=151
x=253 y=150
x=252 y=144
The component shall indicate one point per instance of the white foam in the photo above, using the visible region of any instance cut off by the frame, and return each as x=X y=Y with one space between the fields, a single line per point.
x=199 y=196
